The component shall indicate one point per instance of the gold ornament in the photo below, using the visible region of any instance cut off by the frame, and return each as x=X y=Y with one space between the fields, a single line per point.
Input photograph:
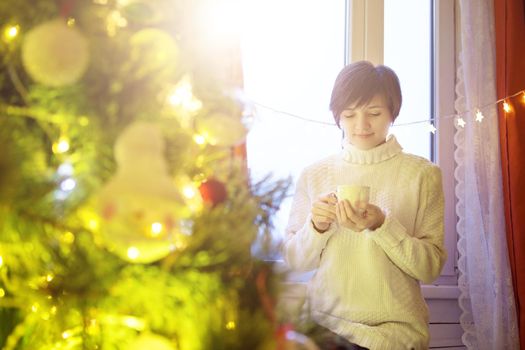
x=150 y=341
x=141 y=212
x=55 y=54
x=153 y=51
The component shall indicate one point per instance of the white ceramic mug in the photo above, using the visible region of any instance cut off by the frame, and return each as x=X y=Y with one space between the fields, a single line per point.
x=357 y=195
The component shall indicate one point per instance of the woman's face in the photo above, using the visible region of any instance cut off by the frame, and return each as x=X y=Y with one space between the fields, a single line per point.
x=366 y=126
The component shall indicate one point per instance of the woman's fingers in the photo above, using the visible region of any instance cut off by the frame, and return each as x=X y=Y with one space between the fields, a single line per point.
x=364 y=216
x=339 y=214
x=323 y=210
x=355 y=219
x=375 y=217
x=329 y=198
x=322 y=217
x=344 y=216
x=321 y=221
x=347 y=209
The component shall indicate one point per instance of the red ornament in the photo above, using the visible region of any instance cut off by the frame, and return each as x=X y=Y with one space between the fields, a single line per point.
x=66 y=8
x=213 y=192
x=109 y=211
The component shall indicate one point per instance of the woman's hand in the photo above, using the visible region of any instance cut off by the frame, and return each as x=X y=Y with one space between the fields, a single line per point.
x=362 y=217
x=323 y=212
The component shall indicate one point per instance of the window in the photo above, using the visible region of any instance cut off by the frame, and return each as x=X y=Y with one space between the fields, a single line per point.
x=407 y=50
x=291 y=59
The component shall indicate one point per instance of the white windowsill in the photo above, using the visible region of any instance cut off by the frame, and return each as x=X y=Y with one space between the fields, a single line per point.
x=440 y=292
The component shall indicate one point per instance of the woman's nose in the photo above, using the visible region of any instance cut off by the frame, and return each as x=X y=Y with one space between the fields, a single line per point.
x=362 y=123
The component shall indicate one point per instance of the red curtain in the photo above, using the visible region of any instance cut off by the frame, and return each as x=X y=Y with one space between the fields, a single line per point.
x=510 y=68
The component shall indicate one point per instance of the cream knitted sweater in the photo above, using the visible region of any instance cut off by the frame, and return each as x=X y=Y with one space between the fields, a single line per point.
x=366 y=284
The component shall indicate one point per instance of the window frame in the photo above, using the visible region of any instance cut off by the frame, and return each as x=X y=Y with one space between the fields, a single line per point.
x=365 y=40
x=444 y=81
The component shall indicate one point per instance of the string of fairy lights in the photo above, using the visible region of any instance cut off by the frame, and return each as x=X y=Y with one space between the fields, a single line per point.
x=183 y=97
x=459 y=119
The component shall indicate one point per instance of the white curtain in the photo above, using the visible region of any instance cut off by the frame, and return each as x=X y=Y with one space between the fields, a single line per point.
x=487 y=302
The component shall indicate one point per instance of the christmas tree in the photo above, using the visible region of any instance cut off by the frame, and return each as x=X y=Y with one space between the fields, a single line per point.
x=126 y=215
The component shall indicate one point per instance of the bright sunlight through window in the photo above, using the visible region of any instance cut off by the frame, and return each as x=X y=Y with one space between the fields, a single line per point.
x=291 y=53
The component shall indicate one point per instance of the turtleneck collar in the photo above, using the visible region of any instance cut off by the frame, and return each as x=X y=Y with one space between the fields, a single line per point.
x=377 y=154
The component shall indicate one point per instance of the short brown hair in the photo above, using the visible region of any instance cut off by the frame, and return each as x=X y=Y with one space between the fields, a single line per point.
x=359 y=82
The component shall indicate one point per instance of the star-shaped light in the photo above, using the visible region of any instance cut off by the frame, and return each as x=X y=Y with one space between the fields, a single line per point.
x=479 y=116
x=431 y=128
x=461 y=122
x=506 y=107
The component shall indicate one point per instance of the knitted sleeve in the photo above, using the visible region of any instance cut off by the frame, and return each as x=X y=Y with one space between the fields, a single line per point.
x=421 y=255
x=303 y=245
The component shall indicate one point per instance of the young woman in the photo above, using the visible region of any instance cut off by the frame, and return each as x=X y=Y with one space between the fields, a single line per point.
x=370 y=260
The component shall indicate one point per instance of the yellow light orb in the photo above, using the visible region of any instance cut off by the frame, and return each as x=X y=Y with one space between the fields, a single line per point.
x=61 y=146
x=189 y=191
x=93 y=224
x=68 y=237
x=133 y=253
x=182 y=96
x=2 y=293
x=66 y=334
x=199 y=139
x=35 y=307
x=156 y=228
x=506 y=107
x=11 y=32
x=114 y=21
x=1 y=261
x=230 y=325
x=134 y=322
